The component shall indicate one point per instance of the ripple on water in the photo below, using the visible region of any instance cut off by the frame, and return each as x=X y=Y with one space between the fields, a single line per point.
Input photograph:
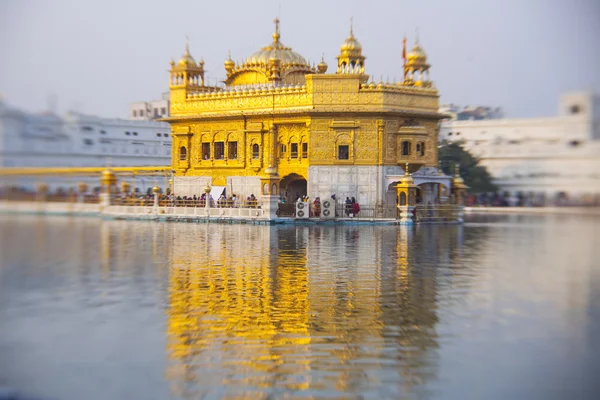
x=191 y=310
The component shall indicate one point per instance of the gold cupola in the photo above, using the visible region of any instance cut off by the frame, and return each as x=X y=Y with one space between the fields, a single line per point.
x=416 y=68
x=229 y=65
x=258 y=68
x=459 y=188
x=187 y=60
x=351 y=60
x=186 y=74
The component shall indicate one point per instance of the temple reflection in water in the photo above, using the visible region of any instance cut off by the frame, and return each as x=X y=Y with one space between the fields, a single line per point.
x=223 y=311
x=284 y=308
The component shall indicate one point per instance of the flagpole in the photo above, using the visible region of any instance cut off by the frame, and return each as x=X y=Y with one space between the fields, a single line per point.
x=404 y=55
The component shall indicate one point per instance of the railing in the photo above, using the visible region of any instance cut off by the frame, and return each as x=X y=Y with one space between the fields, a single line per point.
x=50 y=198
x=383 y=211
x=191 y=203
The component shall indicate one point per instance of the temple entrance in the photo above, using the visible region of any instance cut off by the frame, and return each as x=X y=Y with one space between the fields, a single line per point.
x=293 y=186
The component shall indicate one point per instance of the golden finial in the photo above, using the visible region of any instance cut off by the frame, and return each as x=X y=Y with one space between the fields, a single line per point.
x=351 y=26
x=187 y=45
x=322 y=67
x=406 y=169
x=276 y=35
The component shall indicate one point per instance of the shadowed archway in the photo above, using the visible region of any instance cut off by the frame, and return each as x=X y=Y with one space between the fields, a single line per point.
x=292 y=186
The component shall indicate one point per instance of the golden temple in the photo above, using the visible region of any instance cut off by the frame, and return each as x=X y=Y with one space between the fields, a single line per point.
x=280 y=126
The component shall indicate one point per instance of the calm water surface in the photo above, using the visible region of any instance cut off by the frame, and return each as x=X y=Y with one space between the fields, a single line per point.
x=498 y=309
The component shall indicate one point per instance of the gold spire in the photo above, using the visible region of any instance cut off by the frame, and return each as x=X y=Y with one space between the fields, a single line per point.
x=457 y=180
x=276 y=34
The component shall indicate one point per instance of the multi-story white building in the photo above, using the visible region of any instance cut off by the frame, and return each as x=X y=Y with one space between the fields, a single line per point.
x=78 y=140
x=150 y=110
x=544 y=160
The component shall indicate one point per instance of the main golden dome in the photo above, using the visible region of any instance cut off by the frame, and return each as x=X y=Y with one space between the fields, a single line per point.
x=273 y=63
x=276 y=50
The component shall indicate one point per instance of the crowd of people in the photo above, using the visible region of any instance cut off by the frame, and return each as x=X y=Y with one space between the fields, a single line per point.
x=351 y=208
x=232 y=201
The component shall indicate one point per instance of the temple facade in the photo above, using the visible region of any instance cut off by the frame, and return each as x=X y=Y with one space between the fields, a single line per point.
x=281 y=126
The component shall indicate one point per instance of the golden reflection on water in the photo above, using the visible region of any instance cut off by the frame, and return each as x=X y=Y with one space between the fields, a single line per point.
x=326 y=310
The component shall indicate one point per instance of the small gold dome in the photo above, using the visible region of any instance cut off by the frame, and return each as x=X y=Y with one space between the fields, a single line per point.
x=155 y=189
x=351 y=45
x=187 y=59
x=322 y=67
x=417 y=55
x=407 y=179
x=229 y=63
x=108 y=178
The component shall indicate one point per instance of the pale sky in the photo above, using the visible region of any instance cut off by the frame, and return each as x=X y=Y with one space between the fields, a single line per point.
x=98 y=56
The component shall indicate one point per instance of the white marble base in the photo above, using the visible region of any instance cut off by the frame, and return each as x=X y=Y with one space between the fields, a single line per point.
x=360 y=182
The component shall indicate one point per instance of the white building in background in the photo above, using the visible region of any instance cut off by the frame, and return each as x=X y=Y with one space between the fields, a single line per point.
x=78 y=140
x=150 y=110
x=544 y=160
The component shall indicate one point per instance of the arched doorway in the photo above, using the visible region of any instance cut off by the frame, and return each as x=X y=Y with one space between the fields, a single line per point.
x=292 y=186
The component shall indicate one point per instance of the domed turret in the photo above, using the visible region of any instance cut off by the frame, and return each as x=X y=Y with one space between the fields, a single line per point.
x=457 y=181
x=186 y=73
x=229 y=64
x=407 y=179
x=351 y=60
x=416 y=70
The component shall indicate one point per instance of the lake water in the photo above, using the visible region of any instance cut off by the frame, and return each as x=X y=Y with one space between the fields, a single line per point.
x=501 y=308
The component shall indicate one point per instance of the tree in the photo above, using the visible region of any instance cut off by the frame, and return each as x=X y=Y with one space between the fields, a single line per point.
x=476 y=177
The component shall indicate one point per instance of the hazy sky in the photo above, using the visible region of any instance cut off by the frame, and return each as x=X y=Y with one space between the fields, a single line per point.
x=98 y=56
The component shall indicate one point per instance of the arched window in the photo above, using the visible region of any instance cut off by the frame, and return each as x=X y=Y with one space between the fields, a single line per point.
x=402 y=199
x=255 y=151
x=273 y=189
x=182 y=153
x=422 y=149
x=265 y=189
x=406 y=148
